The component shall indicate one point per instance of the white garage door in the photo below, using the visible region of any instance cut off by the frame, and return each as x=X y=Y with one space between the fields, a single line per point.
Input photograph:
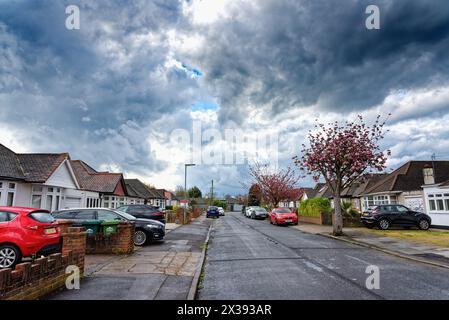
x=414 y=203
x=71 y=202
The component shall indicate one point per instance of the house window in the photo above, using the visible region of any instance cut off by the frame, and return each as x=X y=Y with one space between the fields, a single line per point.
x=36 y=200
x=12 y=186
x=49 y=203
x=432 y=205
x=57 y=202
x=10 y=200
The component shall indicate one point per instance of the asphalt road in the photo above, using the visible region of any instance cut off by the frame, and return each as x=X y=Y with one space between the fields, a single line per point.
x=251 y=259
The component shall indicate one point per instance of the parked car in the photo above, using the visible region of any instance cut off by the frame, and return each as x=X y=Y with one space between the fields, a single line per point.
x=144 y=211
x=243 y=210
x=212 y=212
x=146 y=230
x=283 y=216
x=257 y=213
x=385 y=216
x=221 y=211
x=248 y=211
x=25 y=232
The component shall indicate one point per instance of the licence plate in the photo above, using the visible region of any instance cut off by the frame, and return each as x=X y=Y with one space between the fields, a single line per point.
x=288 y=220
x=365 y=214
x=50 y=231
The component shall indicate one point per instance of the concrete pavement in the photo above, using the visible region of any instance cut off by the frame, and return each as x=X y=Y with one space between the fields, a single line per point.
x=163 y=270
x=250 y=259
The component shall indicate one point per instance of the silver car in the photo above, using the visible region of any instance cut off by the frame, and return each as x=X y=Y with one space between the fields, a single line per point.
x=257 y=213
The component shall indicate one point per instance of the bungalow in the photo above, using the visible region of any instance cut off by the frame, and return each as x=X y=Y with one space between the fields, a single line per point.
x=436 y=201
x=170 y=198
x=158 y=198
x=138 y=192
x=97 y=189
x=405 y=184
x=39 y=180
x=294 y=201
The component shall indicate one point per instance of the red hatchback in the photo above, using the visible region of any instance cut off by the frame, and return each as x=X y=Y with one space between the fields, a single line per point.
x=283 y=216
x=25 y=232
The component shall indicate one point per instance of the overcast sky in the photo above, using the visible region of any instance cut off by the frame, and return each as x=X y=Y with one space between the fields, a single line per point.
x=138 y=73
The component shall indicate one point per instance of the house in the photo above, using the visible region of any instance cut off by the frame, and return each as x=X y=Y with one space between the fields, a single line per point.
x=137 y=192
x=39 y=180
x=436 y=200
x=294 y=201
x=96 y=189
x=158 y=198
x=405 y=184
x=170 y=198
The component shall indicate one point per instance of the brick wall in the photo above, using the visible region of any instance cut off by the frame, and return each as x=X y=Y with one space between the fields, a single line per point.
x=121 y=242
x=32 y=280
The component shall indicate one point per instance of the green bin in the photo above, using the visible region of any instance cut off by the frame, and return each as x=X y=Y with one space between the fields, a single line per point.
x=109 y=227
x=92 y=226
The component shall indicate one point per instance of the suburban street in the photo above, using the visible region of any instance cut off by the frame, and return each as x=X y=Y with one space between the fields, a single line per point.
x=251 y=259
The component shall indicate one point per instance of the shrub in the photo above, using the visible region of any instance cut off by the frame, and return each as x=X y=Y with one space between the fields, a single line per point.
x=168 y=207
x=314 y=207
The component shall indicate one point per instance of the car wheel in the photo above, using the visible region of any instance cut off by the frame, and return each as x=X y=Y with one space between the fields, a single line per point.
x=9 y=256
x=424 y=224
x=384 y=224
x=140 y=238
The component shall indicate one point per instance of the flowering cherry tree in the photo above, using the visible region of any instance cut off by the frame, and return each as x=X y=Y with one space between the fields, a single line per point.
x=274 y=185
x=341 y=154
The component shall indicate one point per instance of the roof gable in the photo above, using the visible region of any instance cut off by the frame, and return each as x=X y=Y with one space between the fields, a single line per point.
x=409 y=177
x=89 y=179
x=63 y=177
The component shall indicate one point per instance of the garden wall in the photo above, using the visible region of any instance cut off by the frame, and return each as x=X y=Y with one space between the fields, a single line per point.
x=33 y=280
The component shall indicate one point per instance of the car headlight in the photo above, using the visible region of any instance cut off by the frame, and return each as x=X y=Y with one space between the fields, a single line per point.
x=153 y=226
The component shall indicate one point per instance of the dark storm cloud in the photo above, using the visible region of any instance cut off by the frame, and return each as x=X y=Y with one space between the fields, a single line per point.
x=286 y=54
x=102 y=85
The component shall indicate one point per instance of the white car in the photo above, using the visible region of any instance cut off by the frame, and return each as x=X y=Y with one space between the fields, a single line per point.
x=221 y=211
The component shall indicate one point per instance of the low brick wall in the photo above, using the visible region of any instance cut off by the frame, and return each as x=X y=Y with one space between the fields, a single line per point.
x=121 y=242
x=33 y=280
x=313 y=220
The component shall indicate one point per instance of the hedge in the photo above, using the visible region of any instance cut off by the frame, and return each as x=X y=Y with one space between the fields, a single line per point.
x=313 y=207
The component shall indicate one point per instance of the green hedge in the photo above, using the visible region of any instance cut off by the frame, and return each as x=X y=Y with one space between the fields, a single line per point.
x=313 y=207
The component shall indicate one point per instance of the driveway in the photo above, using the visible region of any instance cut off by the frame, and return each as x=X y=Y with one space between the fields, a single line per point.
x=163 y=270
x=250 y=259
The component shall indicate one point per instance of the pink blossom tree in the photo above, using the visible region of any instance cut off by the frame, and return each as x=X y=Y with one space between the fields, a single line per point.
x=341 y=154
x=274 y=185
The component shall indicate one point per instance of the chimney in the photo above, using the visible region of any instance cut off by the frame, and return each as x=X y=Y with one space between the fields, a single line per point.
x=429 y=175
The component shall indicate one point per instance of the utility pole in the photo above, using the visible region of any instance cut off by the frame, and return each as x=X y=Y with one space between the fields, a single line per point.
x=212 y=194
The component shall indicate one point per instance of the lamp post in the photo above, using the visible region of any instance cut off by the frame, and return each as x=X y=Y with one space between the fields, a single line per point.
x=185 y=187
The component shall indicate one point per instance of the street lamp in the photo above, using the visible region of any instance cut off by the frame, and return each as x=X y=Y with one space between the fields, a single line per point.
x=185 y=186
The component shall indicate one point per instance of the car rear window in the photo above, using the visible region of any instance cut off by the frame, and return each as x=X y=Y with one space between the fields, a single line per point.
x=41 y=217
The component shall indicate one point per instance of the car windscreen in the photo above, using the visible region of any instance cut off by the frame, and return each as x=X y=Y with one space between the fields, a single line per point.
x=42 y=217
x=261 y=210
x=283 y=211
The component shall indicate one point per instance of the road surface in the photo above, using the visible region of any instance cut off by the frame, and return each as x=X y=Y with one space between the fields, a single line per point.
x=251 y=259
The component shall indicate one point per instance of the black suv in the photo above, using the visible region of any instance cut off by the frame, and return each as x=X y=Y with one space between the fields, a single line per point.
x=144 y=211
x=146 y=230
x=385 y=216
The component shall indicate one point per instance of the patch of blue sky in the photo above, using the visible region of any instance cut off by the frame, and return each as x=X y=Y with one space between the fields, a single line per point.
x=204 y=106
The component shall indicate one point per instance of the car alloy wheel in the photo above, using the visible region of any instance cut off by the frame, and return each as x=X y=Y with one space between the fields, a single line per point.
x=424 y=224
x=384 y=224
x=8 y=257
x=140 y=238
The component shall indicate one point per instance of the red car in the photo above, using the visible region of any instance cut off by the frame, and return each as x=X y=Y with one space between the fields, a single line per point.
x=283 y=216
x=25 y=232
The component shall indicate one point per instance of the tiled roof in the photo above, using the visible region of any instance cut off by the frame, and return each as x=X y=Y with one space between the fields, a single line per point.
x=158 y=193
x=29 y=167
x=9 y=164
x=137 y=188
x=91 y=180
x=409 y=177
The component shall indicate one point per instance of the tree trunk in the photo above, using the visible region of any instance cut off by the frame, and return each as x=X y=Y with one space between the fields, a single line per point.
x=337 y=218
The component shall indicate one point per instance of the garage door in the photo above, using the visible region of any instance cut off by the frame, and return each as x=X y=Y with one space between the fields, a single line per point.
x=71 y=202
x=414 y=203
